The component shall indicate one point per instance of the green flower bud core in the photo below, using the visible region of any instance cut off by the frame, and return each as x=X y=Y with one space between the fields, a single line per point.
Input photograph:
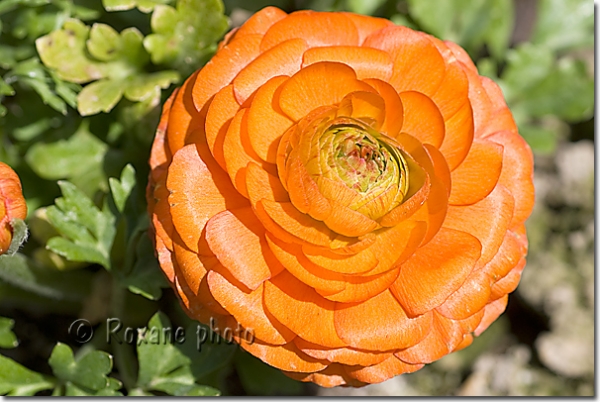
x=367 y=162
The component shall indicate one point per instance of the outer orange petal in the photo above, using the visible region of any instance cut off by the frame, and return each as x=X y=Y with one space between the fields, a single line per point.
x=238 y=240
x=476 y=177
x=160 y=153
x=517 y=173
x=286 y=357
x=260 y=22
x=345 y=356
x=379 y=324
x=366 y=25
x=266 y=121
x=326 y=29
x=509 y=283
x=183 y=116
x=491 y=312
x=365 y=61
x=470 y=298
x=301 y=309
x=283 y=59
x=436 y=270
x=248 y=310
x=332 y=376
x=319 y=84
x=422 y=118
x=262 y=185
x=405 y=46
x=220 y=112
x=382 y=371
x=223 y=67
x=199 y=189
x=453 y=93
x=459 y=136
x=503 y=118
x=487 y=220
x=361 y=288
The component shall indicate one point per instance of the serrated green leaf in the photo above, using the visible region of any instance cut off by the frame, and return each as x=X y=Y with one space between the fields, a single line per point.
x=79 y=158
x=87 y=371
x=156 y=356
x=87 y=232
x=23 y=273
x=184 y=36
x=99 y=96
x=104 y=42
x=143 y=87
x=121 y=189
x=7 y=338
x=16 y=380
x=143 y=5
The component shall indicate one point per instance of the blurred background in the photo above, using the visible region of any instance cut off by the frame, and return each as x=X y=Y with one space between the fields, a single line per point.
x=541 y=53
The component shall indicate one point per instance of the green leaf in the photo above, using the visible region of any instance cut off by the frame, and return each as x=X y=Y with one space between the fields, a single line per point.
x=564 y=24
x=146 y=278
x=104 y=42
x=143 y=87
x=143 y=5
x=8 y=5
x=18 y=380
x=87 y=371
x=87 y=232
x=259 y=378
x=7 y=338
x=366 y=7
x=183 y=37
x=79 y=159
x=23 y=273
x=99 y=96
x=121 y=189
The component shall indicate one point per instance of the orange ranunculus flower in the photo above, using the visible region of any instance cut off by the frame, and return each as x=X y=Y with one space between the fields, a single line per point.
x=351 y=190
x=12 y=204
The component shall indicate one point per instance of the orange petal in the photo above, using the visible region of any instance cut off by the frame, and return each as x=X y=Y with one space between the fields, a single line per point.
x=283 y=59
x=160 y=153
x=508 y=256
x=436 y=270
x=361 y=288
x=286 y=357
x=487 y=220
x=183 y=116
x=221 y=111
x=223 y=67
x=162 y=221
x=379 y=324
x=440 y=166
x=367 y=107
x=248 y=310
x=358 y=263
x=238 y=152
x=301 y=309
x=453 y=93
x=517 y=173
x=319 y=84
x=509 y=283
x=261 y=21
x=470 y=298
x=367 y=25
x=476 y=177
x=304 y=192
x=394 y=111
x=326 y=29
x=296 y=223
x=238 y=240
x=459 y=136
x=266 y=121
x=461 y=55
x=406 y=46
x=365 y=61
x=346 y=356
x=348 y=222
x=491 y=312
x=383 y=371
x=290 y=255
x=332 y=376
x=422 y=118
x=502 y=117
x=199 y=189
x=262 y=185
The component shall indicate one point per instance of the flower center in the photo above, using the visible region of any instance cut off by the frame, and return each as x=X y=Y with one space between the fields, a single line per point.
x=367 y=162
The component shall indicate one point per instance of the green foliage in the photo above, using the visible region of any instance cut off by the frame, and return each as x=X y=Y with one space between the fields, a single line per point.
x=18 y=380
x=259 y=378
x=7 y=338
